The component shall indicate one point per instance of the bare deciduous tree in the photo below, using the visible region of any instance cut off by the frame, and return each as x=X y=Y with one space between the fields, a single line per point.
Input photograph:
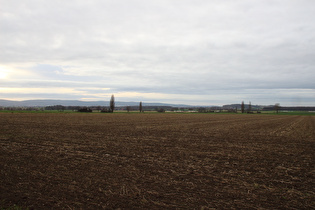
x=250 y=107
x=277 y=107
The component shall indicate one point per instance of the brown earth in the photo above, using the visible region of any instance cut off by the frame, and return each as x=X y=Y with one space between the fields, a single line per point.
x=156 y=161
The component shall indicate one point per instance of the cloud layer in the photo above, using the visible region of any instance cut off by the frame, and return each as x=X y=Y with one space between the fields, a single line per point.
x=194 y=52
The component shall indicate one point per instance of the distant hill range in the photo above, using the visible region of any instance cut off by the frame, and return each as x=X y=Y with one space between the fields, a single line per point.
x=268 y=107
x=246 y=106
x=44 y=103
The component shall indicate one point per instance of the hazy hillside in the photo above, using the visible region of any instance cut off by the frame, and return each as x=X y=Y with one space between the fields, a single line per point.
x=43 y=103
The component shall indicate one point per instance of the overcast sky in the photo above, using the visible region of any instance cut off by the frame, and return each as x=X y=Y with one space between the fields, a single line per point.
x=205 y=52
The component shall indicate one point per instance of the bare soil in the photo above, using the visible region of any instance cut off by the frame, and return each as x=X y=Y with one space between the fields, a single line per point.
x=156 y=161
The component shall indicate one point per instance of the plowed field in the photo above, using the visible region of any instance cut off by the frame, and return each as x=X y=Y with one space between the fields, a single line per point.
x=156 y=161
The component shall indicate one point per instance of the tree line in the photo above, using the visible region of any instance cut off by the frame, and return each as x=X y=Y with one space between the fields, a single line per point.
x=109 y=109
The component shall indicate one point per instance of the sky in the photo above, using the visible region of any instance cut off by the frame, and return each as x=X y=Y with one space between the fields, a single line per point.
x=195 y=52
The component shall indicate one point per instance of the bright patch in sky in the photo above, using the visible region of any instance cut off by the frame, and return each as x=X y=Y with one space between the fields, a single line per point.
x=3 y=73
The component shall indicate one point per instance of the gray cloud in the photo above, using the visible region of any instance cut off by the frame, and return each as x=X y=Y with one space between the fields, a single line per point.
x=217 y=50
